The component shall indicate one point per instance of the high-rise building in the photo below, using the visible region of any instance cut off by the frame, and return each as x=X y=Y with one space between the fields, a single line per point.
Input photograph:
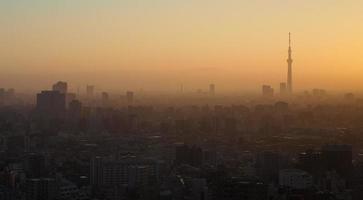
x=105 y=97
x=268 y=165
x=212 y=89
x=289 y=68
x=6 y=193
x=96 y=171
x=125 y=171
x=61 y=87
x=41 y=189
x=75 y=109
x=34 y=165
x=295 y=179
x=90 y=90
x=267 y=91
x=130 y=97
x=283 y=88
x=337 y=157
x=51 y=104
x=70 y=97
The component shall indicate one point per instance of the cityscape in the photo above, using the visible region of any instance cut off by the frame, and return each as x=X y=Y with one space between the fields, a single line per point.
x=76 y=139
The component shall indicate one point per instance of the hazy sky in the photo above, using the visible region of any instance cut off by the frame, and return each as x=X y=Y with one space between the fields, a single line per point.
x=154 y=44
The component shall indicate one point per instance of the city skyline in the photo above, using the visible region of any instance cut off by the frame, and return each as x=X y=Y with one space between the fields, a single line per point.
x=236 y=45
x=181 y=100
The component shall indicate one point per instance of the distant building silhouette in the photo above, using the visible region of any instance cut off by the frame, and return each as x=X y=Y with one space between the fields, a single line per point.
x=283 y=88
x=90 y=90
x=130 y=97
x=105 y=98
x=319 y=92
x=61 y=87
x=267 y=91
x=281 y=106
x=349 y=96
x=212 y=89
x=51 y=104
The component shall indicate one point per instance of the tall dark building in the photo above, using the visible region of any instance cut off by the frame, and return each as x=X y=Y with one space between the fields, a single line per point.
x=41 y=189
x=74 y=109
x=34 y=165
x=268 y=165
x=289 y=68
x=337 y=157
x=51 y=104
x=61 y=87
x=96 y=171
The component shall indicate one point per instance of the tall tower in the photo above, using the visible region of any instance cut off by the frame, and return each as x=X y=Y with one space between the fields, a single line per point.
x=289 y=68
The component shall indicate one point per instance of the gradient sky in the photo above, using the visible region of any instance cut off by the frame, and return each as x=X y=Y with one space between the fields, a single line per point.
x=159 y=44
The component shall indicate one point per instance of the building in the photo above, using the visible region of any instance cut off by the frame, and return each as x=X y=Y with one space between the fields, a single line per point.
x=130 y=97
x=129 y=171
x=75 y=109
x=310 y=161
x=61 y=87
x=268 y=164
x=295 y=179
x=349 y=96
x=69 y=191
x=70 y=97
x=105 y=99
x=6 y=193
x=267 y=91
x=241 y=188
x=283 y=89
x=34 y=165
x=188 y=155
x=318 y=92
x=51 y=104
x=337 y=157
x=198 y=188
x=105 y=96
x=41 y=189
x=96 y=173
x=90 y=90
x=281 y=106
x=212 y=89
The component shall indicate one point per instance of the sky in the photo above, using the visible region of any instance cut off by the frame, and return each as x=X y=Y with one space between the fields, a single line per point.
x=159 y=44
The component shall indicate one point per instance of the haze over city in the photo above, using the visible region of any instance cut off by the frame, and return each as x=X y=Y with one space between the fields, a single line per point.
x=181 y=100
x=158 y=45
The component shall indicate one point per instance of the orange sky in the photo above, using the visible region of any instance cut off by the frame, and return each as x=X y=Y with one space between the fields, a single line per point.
x=160 y=44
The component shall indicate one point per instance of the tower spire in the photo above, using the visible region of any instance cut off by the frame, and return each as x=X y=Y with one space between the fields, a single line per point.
x=289 y=67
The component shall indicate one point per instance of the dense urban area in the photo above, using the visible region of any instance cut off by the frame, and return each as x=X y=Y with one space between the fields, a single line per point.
x=184 y=146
